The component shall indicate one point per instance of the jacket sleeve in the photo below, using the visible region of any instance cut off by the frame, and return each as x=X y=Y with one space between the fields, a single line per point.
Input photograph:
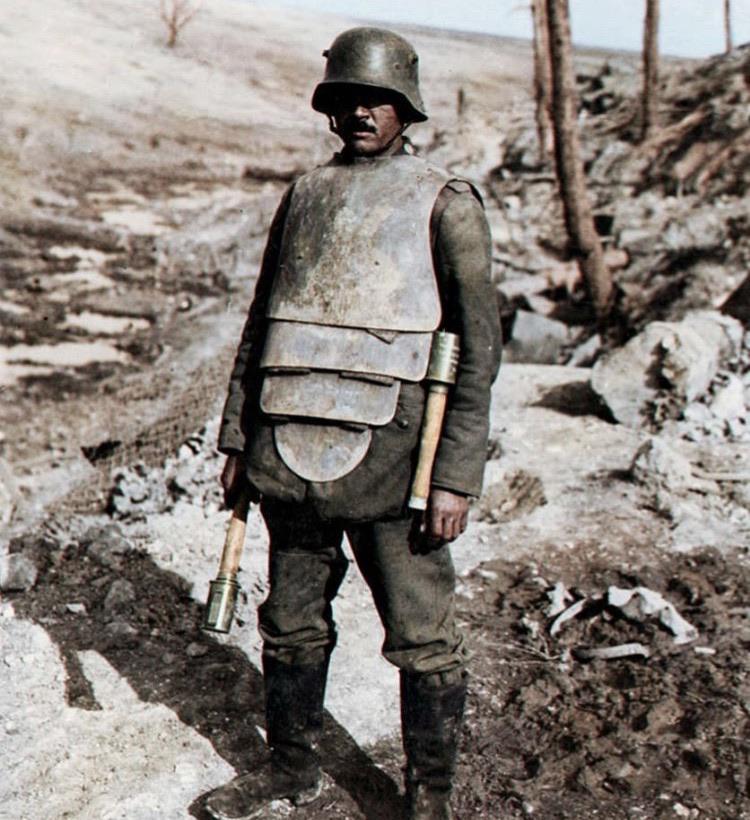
x=462 y=253
x=243 y=381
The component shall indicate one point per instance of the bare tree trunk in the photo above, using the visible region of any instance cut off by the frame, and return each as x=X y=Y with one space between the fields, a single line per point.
x=542 y=80
x=579 y=219
x=728 y=25
x=176 y=14
x=650 y=100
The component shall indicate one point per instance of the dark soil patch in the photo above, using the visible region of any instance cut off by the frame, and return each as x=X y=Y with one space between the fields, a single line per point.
x=613 y=739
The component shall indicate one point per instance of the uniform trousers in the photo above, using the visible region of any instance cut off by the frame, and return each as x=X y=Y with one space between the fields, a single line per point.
x=413 y=591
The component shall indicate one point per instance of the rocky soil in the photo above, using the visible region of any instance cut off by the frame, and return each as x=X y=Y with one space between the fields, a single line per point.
x=136 y=187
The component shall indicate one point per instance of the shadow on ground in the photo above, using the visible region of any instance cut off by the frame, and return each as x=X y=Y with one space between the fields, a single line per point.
x=143 y=620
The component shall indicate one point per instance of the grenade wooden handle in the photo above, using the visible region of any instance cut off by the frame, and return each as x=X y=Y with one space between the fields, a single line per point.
x=235 y=540
x=223 y=590
x=432 y=424
x=441 y=373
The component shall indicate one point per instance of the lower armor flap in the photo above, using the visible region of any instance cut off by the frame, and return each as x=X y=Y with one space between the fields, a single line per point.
x=320 y=452
x=330 y=397
x=302 y=345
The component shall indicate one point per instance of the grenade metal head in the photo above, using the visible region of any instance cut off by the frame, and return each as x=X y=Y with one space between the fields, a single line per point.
x=443 y=366
x=222 y=598
x=376 y=58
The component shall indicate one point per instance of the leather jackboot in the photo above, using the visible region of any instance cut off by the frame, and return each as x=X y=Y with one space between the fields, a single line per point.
x=431 y=718
x=294 y=722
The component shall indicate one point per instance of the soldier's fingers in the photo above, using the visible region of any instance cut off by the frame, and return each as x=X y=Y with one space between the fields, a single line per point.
x=437 y=530
x=434 y=522
x=454 y=527
x=464 y=521
x=445 y=530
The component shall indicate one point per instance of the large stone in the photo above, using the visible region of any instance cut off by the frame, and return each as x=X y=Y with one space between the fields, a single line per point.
x=536 y=339
x=704 y=228
x=678 y=358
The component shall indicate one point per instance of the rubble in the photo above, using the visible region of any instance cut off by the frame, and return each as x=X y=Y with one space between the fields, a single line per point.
x=191 y=473
x=106 y=544
x=672 y=212
x=660 y=466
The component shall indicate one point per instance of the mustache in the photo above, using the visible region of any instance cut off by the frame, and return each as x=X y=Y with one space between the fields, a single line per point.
x=352 y=124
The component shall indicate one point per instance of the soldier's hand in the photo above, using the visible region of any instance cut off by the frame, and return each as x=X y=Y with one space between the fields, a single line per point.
x=233 y=479
x=447 y=514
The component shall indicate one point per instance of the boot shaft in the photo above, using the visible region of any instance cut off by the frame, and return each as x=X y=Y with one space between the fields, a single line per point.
x=294 y=713
x=431 y=721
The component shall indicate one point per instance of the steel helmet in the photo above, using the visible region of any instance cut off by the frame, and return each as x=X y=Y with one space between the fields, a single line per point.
x=372 y=57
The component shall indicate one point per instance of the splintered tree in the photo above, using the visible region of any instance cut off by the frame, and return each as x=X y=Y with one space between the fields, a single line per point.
x=650 y=98
x=579 y=219
x=176 y=14
x=728 y=26
x=542 y=80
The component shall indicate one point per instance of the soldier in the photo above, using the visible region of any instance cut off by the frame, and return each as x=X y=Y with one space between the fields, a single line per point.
x=366 y=257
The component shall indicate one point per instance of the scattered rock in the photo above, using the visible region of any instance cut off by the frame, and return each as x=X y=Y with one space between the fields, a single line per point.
x=660 y=466
x=120 y=635
x=107 y=545
x=135 y=493
x=120 y=596
x=515 y=495
x=729 y=401
x=18 y=573
x=196 y=650
x=585 y=354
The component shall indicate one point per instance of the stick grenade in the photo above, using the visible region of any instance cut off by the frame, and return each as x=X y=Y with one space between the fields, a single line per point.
x=441 y=374
x=223 y=590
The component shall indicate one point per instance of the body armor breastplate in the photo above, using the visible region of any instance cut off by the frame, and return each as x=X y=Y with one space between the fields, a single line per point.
x=352 y=308
x=355 y=250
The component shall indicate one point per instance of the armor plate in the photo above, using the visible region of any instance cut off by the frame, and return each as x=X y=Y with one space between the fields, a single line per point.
x=300 y=345
x=355 y=250
x=320 y=452
x=329 y=396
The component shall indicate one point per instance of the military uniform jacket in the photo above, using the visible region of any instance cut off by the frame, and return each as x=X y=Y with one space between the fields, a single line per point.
x=379 y=486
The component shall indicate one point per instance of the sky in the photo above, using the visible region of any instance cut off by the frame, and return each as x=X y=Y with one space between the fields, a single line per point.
x=689 y=28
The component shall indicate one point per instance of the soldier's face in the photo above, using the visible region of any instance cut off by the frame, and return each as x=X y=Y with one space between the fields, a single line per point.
x=366 y=120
